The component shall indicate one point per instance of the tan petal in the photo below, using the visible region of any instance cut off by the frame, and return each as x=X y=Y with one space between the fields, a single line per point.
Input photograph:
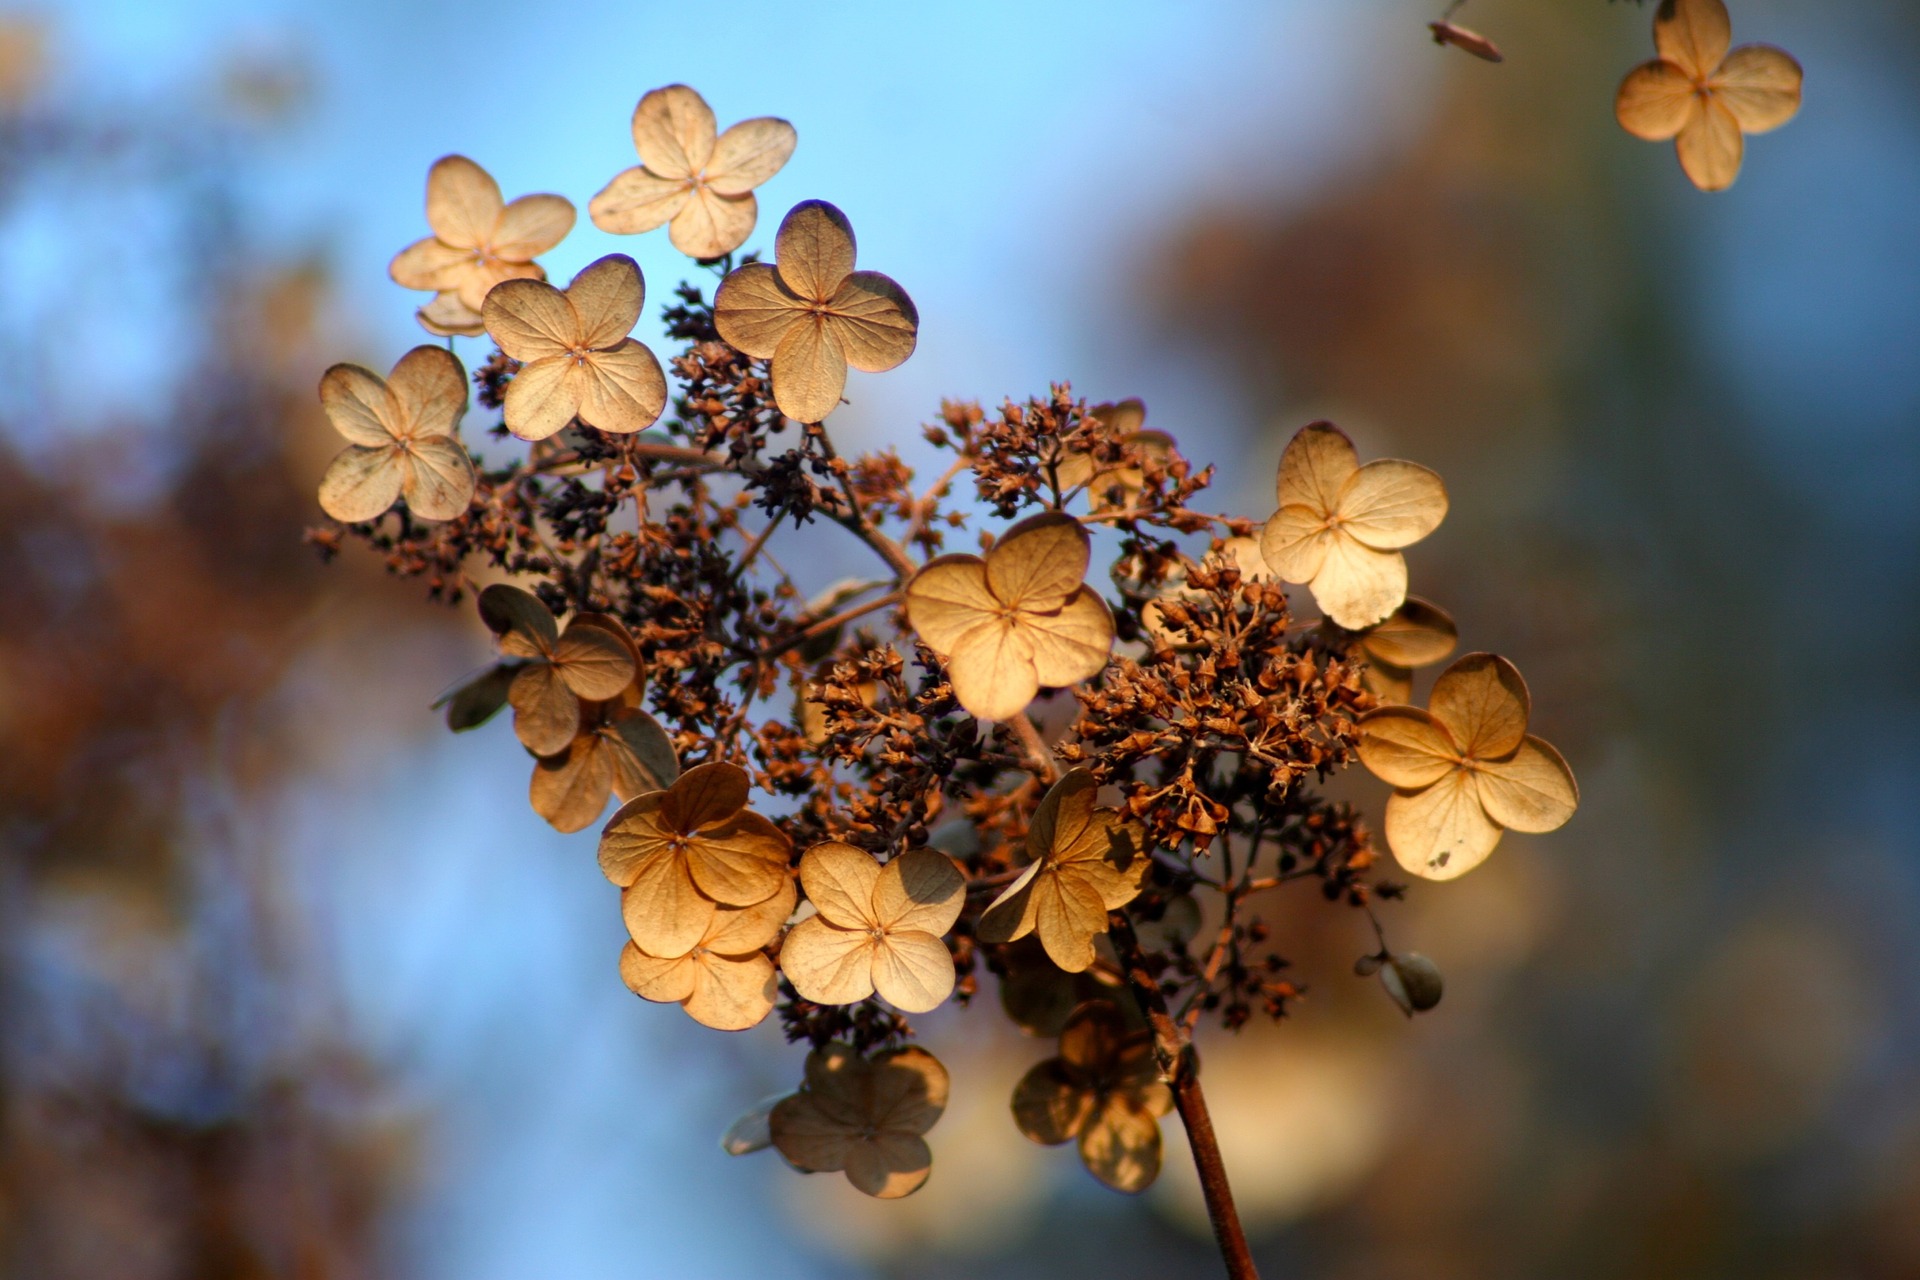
x=753 y=310
x=992 y=673
x=542 y=398
x=908 y=1089
x=1048 y=1107
x=710 y=224
x=1122 y=419
x=447 y=316
x=570 y=791
x=828 y=965
x=638 y=200
x=633 y=836
x=1406 y=747
x=360 y=406
x=737 y=931
x=1039 y=563
x=1440 y=831
x=913 y=971
x=948 y=601
x=840 y=882
x=741 y=862
x=1655 y=101
x=1358 y=586
x=874 y=320
x=664 y=913
x=479 y=278
x=622 y=390
x=593 y=663
x=921 y=890
x=1417 y=634
x=532 y=225
x=1068 y=912
x=1092 y=1036
x=1064 y=815
x=1121 y=1146
x=431 y=263
x=642 y=754
x=530 y=319
x=1484 y=704
x=806 y=1136
x=1692 y=33
x=1386 y=682
x=1011 y=915
x=430 y=390
x=889 y=1165
x=463 y=202
x=668 y=981
x=361 y=484
x=1711 y=146
x=749 y=153
x=732 y=993
x=673 y=131
x=1294 y=542
x=546 y=714
x=1073 y=644
x=525 y=626
x=1315 y=468
x=439 y=483
x=706 y=796
x=809 y=371
x=814 y=249
x=1760 y=86
x=1532 y=790
x=1389 y=504
x=475 y=701
x=607 y=297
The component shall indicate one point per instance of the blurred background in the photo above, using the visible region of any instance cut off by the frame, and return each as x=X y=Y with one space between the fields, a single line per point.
x=293 y=982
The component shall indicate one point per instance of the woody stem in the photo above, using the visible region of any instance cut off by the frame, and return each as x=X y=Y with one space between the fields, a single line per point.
x=1174 y=1052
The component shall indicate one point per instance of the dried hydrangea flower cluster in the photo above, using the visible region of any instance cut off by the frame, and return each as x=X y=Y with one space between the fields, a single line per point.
x=846 y=807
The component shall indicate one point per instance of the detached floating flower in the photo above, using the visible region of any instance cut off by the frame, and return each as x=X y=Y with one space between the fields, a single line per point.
x=401 y=430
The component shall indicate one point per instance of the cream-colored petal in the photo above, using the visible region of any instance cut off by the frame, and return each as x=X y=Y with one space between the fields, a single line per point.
x=809 y=371
x=732 y=993
x=1531 y=790
x=448 y=317
x=1048 y=1107
x=1121 y=1146
x=570 y=791
x=814 y=249
x=749 y=153
x=740 y=863
x=840 y=881
x=948 y=601
x=1711 y=146
x=826 y=964
x=463 y=202
x=667 y=981
x=922 y=889
x=1655 y=101
x=1315 y=467
x=1759 y=86
x=710 y=224
x=1068 y=912
x=1358 y=586
x=875 y=321
x=738 y=931
x=440 y=481
x=1417 y=634
x=546 y=714
x=889 y=1165
x=1011 y=916
x=532 y=225
x=430 y=390
x=664 y=913
x=525 y=626
x=607 y=298
x=542 y=398
x=431 y=263
x=1294 y=542
x=913 y=971
x=1484 y=704
x=479 y=278
x=1039 y=563
x=992 y=673
x=707 y=795
x=753 y=310
x=1694 y=34
x=360 y=406
x=1073 y=644
x=637 y=201
x=593 y=663
x=530 y=319
x=1122 y=419
x=1389 y=504
x=642 y=754
x=623 y=390
x=1406 y=747
x=362 y=484
x=1440 y=831
x=673 y=130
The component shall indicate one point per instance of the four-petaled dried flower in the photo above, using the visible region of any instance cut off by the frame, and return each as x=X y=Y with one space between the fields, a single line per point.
x=685 y=852
x=1703 y=97
x=576 y=358
x=1464 y=769
x=1104 y=1089
x=1340 y=525
x=402 y=438
x=878 y=928
x=1087 y=861
x=619 y=750
x=702 y=184
x=591 y=660
x=725 y=980
x=477 y=242
x=813 y=315
x=1417 y=634
x=1020 y=619
x=866 y=1116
